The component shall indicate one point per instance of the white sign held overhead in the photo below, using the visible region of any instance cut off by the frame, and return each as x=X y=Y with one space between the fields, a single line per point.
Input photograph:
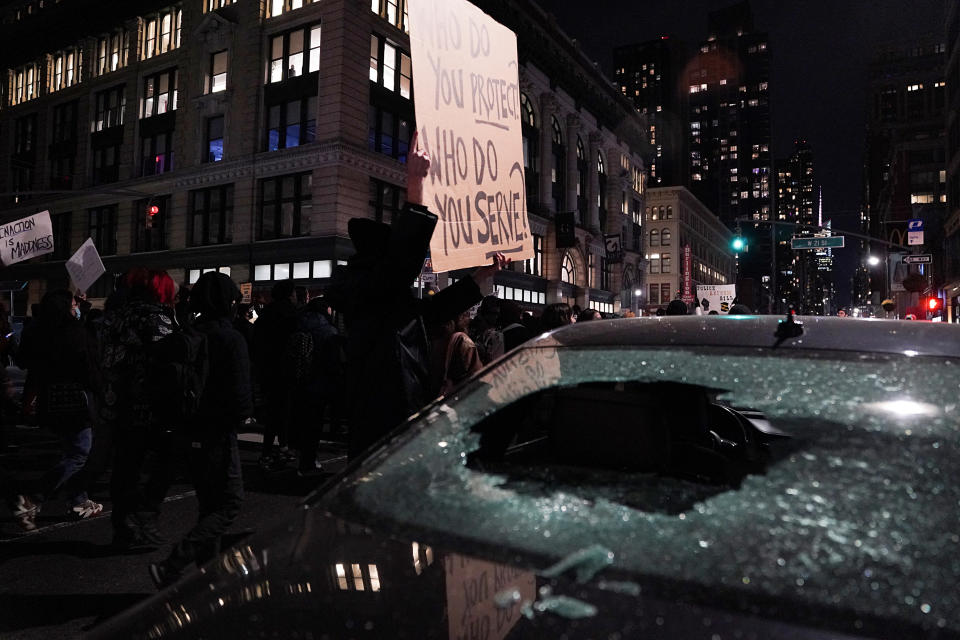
x=716 y=297
x=85 y=266
x=468 y=119
x=26 y=238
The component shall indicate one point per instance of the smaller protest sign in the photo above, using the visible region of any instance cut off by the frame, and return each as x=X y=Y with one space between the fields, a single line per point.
x=26 y=238
x=85 y=266
x=246 y=292
x=614 y=246
x=716 y=297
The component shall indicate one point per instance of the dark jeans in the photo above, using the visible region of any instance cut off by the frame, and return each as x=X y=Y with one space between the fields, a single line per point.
x=278 y=404
x=214 y=464
x=74 y=447
x=308 y=419
x=142 y=471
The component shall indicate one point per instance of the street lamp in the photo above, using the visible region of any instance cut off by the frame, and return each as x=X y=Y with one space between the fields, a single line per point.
x=873 y=261
x=636 y=300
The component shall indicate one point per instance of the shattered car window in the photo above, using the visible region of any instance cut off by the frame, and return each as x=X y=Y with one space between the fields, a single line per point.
x=854 y=500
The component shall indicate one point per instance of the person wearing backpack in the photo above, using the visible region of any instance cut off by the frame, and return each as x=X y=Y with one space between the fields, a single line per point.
x=209 y=439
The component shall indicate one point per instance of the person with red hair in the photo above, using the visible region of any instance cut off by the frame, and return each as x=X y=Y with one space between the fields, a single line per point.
x=141 y=445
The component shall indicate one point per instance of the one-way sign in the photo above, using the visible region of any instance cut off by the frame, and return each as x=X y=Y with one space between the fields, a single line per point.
x=918 y=258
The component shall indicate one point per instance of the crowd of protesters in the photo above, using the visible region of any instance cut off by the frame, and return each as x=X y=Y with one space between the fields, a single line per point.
x=157 y=384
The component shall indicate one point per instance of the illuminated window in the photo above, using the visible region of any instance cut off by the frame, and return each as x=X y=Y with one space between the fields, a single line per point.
x=217 y=77
x=112 y=52
x=393 y=11
x=161 y=32
x=109 y=107
x=279 y=7
x=287 y=51
x=213 y=5
x=568 y=272
x=26 y=84
x=64 y=70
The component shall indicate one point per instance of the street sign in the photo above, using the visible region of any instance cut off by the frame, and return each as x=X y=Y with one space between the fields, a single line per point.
x=914 y=237
x=916 y=224
x=918 y=258
x=828 y=242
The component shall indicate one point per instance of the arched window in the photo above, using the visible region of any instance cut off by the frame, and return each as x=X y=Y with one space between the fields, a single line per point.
x=601 y=196
x=568 y=272
x=582 y=183
x=531 y=146
x=665 y=238
x=558 y=172
x=669 y=213
x=654 y=238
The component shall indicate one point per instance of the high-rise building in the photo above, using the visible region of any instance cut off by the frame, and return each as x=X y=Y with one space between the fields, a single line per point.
x=257 y=141
x=798 y=272
x=952 y=227
x=905 y=167
x=650 y=75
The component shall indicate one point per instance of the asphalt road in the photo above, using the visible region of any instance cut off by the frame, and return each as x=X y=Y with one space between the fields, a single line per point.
x=63 y=579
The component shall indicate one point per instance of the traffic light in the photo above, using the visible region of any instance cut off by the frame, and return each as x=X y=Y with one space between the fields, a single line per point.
x=738 y=244
x=933 y=304
x=152 y=211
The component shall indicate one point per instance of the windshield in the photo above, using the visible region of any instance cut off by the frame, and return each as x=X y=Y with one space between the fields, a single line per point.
x=861 y=499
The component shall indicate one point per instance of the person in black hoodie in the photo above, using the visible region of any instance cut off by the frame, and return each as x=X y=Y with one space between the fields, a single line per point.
x=388 y=352
x=210 y=444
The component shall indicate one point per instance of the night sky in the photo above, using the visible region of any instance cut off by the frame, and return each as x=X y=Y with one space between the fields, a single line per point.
x=820 y=50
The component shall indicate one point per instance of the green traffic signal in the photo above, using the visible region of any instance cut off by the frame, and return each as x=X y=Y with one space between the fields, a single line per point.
x=738 y=243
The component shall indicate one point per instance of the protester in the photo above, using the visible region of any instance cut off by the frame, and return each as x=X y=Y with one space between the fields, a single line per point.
x=56 y=355
x=484 y=330
x=455 y=356
x=514 y=331
x=677 y=308
x=388 y=351
x=210 y=441
x=556 y=315
x=271 y=340
x=588 y=314
x=740 y=309
x=141 y=445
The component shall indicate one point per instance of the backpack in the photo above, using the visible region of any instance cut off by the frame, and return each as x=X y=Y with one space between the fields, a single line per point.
x=299 y=354
x=178 y=374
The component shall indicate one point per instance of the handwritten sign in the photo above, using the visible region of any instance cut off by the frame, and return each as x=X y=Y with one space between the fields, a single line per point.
x=716 y=297
x=246 y=291
x=528 y=371
x=468 y=116
x=26 y=238
x=85 y=266
x=473 y=588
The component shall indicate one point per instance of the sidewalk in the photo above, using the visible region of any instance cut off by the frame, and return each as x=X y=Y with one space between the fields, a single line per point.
x=63 y=578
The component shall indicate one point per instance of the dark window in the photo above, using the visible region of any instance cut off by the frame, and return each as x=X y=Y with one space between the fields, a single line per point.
x=558 y=175
x=102 y=227
x=654 y=294
x=583 y=186
x=294 y=53
x=153 y=238
x=61 y=172
x=606 y=277
x=385 y=200
x=389 y=133
x=159 y=94
x=602 y=195
x=106 y=163
x=284 y=206
x=109 y=109
x=156 y=153
x=665 y=296
x=531 y=149
x=534 y=265
x=64 y=122
x=214 y=139
x=291 y=124
x=211 y=216
x=25 y=135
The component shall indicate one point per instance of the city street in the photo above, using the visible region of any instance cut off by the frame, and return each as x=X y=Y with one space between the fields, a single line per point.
x=62 y=579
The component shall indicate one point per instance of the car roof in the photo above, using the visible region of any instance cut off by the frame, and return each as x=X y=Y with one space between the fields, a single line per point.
x=819 y=333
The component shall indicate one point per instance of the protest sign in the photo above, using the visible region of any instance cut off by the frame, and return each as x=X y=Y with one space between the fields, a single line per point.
x=467 y=98
x=85 y=266
x=26 y=238
x=246 y=292
x=716 y=297
x=614 y=247
x=473 y=587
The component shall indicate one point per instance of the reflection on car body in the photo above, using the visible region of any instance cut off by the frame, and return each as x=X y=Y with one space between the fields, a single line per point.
x=669 y=478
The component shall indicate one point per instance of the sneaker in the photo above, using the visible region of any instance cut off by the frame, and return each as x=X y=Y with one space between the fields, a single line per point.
x=86 y=509
x=25 y=511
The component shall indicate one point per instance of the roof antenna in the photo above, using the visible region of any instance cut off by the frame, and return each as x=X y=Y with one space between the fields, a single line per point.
x=788 y=328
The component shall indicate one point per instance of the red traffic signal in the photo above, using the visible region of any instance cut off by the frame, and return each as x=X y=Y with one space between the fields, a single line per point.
x=933 y=304
x=153 y=210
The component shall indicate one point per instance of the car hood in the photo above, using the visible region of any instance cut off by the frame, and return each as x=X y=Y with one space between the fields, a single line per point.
x=321 y=576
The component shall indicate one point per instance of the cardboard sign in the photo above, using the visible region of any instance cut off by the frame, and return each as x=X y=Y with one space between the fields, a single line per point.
x=246 y=291
x=716 y=297
x=85 y=266
x=472 y=588
x=26 y=238
x=467 y=99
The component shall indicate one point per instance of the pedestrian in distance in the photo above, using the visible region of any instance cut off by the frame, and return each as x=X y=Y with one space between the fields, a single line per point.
x=484 y=329
x=514 y=331
x=388 y=352
x=677 y=308
x=556 y=315
x=209 y=440
x=588 y=314
x=455 y=356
